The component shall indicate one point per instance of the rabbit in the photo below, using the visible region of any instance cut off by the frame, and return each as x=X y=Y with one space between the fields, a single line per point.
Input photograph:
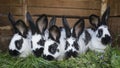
x=72 y=47
x=51 y=45
x=20 y=43
x=101 y=36
x=39 y=33
x=54 y=46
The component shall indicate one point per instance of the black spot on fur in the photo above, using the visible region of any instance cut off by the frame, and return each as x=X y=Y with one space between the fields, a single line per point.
x=67 y=44
x=41 y=42
x=14 y=52
x=71 y=53
x=100 y=32
x=75 y=45
x=18 y=44
x=48 y=57
x=106 y=40
x=38 y=52
x=87 y=37
x=93 y=29
x=31 y=44
x=53 y=48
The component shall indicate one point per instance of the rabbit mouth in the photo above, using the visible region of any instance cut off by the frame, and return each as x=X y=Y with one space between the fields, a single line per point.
x=71 y=53
x=48 y=57
x=38 y=52
x=14 y=52
x=106 y=40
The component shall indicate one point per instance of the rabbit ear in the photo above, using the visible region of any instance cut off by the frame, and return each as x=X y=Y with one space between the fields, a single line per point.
x=66 y=26
x=31 y=23
x=52 y=21
x=78 y=28
x=105 y=16
x=94 y=20
x=12 y=20
x=54 y=33
x=21 y=28
x=41 y=24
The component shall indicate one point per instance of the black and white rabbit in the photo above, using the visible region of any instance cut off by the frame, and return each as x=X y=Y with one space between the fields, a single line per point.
x=39 y=33
x=72 y=47
x=54 y=46
x=101 y=36
x=20 y=43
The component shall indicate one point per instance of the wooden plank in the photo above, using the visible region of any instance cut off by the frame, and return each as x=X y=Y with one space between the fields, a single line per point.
x=4 y=21
x=61 y=11
x=11 y=2
x=114 y=25
x=114 y=7
x=85 y=4
x=4 y=42
x=13 y=10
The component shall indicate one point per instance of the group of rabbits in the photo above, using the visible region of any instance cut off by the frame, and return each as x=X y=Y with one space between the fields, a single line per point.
x=56 y=43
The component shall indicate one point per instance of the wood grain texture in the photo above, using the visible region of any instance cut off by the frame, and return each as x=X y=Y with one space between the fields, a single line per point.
x=4 y=21
x=11 y=2
x=115 y=7
x=61 y=11
x=85 y=4
x=13 y=10
x=114 y=25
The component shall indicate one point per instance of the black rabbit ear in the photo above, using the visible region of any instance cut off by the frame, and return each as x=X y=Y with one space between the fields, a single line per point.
x=52 y=21
x=66 y=26
x=78 y=28
x=41 y=24
x=105 y=16
x=94 y=20
x=12 y=21
x=21 y=28
x=54 y=33
x=31 y=23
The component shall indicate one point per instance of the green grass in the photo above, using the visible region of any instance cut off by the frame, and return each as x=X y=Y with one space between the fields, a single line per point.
x=111 y=59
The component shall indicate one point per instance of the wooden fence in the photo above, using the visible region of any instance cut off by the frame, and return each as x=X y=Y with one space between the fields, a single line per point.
x=70 y=8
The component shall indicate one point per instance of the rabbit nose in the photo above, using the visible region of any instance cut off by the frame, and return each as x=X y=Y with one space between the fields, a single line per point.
x=106 y=40
x=13 y=52
x=71 y=54
x=48 y=57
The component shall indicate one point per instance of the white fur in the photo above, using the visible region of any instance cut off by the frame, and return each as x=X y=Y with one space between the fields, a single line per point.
x=35 y=38
x=82 y=46
x=46 y=34
x=46 y=47
x=71 y=41
x=61 y=47
x=26 y=46
x=96 y=44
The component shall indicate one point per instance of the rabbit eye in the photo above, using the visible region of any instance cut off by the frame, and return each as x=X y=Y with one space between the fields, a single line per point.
x=67 y=44
x=41 y=42
x=100 y=32
x=53 y=48
x=18 y=44
x=76 y=45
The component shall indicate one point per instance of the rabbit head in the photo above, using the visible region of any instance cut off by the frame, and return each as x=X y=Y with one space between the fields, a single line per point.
x=19 y=44
x=51 y=48
x=101 y=35
x=38 y=30
x=72 y=36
